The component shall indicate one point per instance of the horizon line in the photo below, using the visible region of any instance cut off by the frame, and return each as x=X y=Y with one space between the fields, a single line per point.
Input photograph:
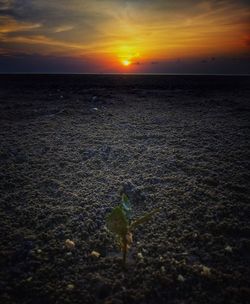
x=138 y=74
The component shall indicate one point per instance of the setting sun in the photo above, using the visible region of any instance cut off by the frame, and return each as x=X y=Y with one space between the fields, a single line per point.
x=126 y=62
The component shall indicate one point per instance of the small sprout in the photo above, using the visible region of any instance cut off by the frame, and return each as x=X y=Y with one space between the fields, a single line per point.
x=119 y=223
x=70 y=245
x=95 y=254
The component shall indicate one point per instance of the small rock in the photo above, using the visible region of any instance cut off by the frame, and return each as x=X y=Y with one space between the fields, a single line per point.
x=206 y=271
x=180 y=278
x=163 y=270
x=29 y=279
x=133 y=192
x=90 y=225
x=39 y=251
x=70 y=244
x=229 y=249
x=95 y=254
x=140 y=256
x=95 y=109
x=70 y=287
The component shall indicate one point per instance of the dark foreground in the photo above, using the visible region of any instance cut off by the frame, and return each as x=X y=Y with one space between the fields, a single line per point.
x=68 y=143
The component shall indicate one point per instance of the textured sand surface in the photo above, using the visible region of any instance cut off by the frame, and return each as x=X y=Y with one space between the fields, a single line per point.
x=68 y=143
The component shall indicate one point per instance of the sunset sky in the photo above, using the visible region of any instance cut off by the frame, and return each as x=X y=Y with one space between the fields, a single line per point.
x=118 y=36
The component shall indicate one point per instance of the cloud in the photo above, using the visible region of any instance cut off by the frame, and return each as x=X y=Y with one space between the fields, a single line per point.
x=10 y=25
x=5 y=5
x=63 y=28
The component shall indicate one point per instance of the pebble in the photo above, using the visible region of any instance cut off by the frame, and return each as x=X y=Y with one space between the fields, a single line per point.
x=163 y=269
x=229 y=249
x=29 y=279
x=206 y=271
x=70 y=287
x=133 y=192
x=95 y=254
x=70 y=244
x=181 y=278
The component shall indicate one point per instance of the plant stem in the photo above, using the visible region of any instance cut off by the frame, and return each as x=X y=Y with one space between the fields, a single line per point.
x=124 y=251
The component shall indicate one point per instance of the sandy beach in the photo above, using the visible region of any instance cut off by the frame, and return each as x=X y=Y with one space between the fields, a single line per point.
x=68 y=145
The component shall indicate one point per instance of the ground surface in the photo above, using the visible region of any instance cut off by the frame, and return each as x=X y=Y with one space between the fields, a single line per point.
x=68 y=143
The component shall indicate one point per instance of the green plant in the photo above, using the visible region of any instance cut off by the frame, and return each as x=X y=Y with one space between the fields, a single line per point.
x=120 y=224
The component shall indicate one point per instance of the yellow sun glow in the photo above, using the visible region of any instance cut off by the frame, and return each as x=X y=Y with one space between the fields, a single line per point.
x=126 y=62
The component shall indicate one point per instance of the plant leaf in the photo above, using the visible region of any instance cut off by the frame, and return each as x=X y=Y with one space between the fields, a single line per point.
x=143 y=219
x=126 y=205
x=125 y=198
x=117 y=222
